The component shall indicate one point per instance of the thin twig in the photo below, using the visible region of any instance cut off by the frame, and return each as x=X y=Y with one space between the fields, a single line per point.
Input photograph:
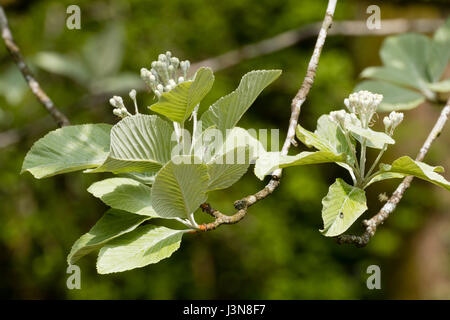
x=243 y=204
x=372 y=224
x=292 y=37
x=14 y=50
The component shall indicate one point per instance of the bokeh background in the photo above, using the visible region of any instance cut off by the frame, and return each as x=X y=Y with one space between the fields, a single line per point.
x=276 y=252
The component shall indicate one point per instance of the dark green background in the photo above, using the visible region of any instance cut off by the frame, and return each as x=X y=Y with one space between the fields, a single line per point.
x=277 y=252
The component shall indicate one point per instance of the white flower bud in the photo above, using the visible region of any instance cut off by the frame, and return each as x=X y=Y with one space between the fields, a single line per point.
x=175 y=62
x=145 y=73
x=168 y=54
x=347 y=104
x=387 y=123
x=180 y=79
x=118 y=100
x=117 y=112
x=338 y=116
x=133 y=94
x=112 y=102
x=160 y=87
x=396 y=118
x=162 y=57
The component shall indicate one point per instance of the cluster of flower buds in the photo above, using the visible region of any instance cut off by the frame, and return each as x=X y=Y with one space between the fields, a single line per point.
x=392 y=121
x=364 y=104
x=343 y=118
x=119 y=107
x=165 y=74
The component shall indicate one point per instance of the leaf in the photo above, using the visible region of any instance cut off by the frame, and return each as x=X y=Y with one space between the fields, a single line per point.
x=440 y=52
x=124 y=194
x=394 y=97
x=374 y=139
x=341 y=207
x=213 y=143
x=226 y=169
x=228 y=110
x=178 y=103
x=145 y=245
x=394 y=75
x=139 y=143
x=180 y=187
x=63 y=65
x=103 y=52
x=113 y=224
x=409 y=167
x=408 y=52
x=271 y=161
x=68 y=149
x=328 y=137
x=385 y=176
x=227 y=160
x=147 y=178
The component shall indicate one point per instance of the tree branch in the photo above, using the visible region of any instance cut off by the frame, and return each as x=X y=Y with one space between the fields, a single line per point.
x=15 y=53
x=292 y=37
x=243 y=204
x=372 y=224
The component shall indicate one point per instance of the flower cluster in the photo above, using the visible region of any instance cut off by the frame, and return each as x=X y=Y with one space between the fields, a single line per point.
x=392 y=121
x=343 y=118
x=119 y=107
x=165 y=74
x=364 y=104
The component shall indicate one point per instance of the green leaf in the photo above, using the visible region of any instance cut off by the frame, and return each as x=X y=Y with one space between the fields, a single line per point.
x=440 y=52
x=341 y=207
x=145 y=245
x=180 y=187
x=394 y=97
x=178 y=103
x=124 y=194
x=113 y=224
x=240 y=148
x=385 y=176
x=408 y=52
x=228 y=110
x=374 y=139
x=139 y=143
x=270 y=161
x=147 y=178
x=409 y=167
x=328 y=137
x=394 y=75
x=239 y=137
x=103 y=52
x=226 y=169
x=68 y=149
x=63 y=65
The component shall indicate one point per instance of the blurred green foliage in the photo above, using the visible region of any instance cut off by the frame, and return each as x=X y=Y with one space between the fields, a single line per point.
x=277 y=252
